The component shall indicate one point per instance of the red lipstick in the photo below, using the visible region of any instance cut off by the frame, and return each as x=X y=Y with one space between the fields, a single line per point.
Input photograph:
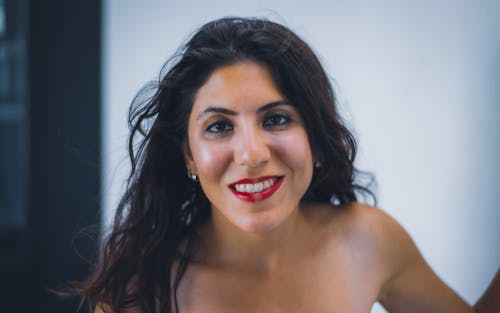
x=256 y=196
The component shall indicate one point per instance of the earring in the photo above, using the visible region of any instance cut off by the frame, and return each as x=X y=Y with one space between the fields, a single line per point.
x=192 y=176
x=317 y=164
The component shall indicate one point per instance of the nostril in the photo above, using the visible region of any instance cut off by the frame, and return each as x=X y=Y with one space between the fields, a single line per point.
x=251 y=149
x=253 y=157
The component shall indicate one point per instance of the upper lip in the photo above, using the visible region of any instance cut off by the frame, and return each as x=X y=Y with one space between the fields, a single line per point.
x=253 y=180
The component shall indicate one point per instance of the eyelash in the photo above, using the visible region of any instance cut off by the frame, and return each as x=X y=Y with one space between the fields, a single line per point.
x=214 y=128
x=284 y=120
x=217 y=124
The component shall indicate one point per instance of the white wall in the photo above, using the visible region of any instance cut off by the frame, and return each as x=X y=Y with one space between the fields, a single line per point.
x=418 y=81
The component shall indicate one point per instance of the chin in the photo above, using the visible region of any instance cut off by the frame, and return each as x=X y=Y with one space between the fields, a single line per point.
x=259 y=223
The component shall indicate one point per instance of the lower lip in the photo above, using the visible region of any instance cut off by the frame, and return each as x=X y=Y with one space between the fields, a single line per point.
x=258 y=196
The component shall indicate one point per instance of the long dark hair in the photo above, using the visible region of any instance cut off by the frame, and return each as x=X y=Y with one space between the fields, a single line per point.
x=155 y=223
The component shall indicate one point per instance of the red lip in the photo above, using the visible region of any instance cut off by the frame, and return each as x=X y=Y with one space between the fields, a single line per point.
x=257 y=196
x=252 y=180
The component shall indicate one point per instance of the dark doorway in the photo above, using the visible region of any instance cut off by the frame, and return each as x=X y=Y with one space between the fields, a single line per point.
x=50 y=135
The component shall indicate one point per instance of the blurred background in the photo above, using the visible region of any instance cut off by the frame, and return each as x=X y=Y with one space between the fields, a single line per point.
x=418 y=83
x=50 y=147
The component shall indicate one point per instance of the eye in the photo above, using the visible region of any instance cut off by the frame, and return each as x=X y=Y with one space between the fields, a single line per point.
x=219 y=127
x=276 y=120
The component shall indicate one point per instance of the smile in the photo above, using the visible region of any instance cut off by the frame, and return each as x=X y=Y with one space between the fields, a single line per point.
x=251 y=190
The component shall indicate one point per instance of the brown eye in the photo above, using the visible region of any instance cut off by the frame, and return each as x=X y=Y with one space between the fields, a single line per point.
x=219 y=127
x=276 y=120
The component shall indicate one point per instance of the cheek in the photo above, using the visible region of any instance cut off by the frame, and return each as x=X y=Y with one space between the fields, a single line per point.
x=295 y=151
x=210 y=159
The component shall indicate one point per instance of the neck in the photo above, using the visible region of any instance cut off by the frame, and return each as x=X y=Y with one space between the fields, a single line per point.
x=225 y=244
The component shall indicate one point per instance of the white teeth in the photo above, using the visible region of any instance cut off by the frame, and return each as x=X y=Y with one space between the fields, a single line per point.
x=258 y=187
x=266 y=184
x=249 y=188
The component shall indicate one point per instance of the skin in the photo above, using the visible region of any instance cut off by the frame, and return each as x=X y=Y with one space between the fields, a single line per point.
x=280 y=255
x=240 y=127
x=490 y=300
x=271 y=256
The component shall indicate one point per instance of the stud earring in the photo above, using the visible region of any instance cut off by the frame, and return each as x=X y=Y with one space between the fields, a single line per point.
x=192 y=176
x=317 y=164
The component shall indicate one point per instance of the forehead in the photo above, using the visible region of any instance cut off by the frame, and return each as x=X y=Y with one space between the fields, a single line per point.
x=242 y=84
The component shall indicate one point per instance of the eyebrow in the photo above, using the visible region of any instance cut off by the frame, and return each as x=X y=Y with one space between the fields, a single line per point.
x=263 y=108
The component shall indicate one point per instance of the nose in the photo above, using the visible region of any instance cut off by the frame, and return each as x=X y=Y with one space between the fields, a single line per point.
x=251 y=148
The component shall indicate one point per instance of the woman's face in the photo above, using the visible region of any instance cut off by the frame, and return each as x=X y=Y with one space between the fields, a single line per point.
x=249 y=148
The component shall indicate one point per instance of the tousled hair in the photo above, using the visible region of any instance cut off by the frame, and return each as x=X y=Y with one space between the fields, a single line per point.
x=161 y=207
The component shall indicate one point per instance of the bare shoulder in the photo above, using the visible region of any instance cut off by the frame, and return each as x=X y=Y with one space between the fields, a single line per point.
x=371 y=239
x=374 y=230
x=372 y=223
x=406 y=280
x=357 y=221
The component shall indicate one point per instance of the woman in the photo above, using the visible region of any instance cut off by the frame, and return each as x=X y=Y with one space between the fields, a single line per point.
x=243 y=198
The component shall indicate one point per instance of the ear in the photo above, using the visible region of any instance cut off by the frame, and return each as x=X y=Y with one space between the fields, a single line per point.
x=188 y=158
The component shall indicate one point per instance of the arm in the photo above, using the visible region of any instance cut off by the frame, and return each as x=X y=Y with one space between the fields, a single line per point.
x=490 y=301
x=411 y=286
